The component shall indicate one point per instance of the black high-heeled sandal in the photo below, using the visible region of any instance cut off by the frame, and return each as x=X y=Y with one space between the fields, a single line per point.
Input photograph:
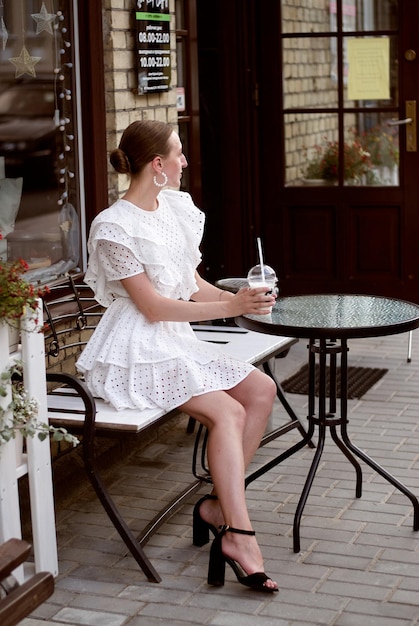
x=201 y=528
x=218 y=560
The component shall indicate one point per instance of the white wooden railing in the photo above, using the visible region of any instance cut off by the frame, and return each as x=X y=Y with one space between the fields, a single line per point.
x=36 y=462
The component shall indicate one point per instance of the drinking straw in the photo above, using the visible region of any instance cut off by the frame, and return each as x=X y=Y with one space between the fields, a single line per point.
x=262 y=266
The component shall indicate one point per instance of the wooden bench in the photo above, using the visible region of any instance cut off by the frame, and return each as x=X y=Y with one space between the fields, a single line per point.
x=17 y=601
x=70 y=317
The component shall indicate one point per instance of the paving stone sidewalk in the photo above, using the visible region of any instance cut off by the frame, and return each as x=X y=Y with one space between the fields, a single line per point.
x=359 y=558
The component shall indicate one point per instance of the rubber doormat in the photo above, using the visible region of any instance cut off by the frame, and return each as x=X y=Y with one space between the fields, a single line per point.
x=360 y=380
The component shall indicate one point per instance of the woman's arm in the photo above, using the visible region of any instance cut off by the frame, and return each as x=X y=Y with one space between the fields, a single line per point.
x=221 y=304
x=208 y=292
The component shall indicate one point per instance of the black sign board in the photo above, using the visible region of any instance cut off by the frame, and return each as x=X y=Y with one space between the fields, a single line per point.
x=153 y=45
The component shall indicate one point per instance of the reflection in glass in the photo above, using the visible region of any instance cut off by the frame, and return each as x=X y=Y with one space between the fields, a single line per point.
x=308 y=76
x=306 y=137
x=357 y=15
x=378 y=145
x=308 y=18
x=369 y=154
x=28 y=135
x=357 y=166
x=39 y=189
x=350 y=15
x=369 y=14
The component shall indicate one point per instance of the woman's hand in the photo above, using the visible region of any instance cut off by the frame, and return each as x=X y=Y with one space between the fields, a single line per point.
x=252 y=301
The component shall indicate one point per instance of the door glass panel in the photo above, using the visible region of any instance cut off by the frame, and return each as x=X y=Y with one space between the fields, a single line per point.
x=368 y=14
x=307 y=139
x=357 y=15
x=350 y=14
x=371 y=150
x=309 y=73
x=306 y=18
x=355 y=77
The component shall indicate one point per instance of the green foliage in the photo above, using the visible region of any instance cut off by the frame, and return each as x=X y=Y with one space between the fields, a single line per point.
x=24 y=412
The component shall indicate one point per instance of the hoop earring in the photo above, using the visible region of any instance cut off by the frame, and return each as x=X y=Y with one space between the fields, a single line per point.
x=164 y=180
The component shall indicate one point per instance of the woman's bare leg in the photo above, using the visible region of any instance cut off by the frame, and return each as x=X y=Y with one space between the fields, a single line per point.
x=226 y=419
x=256 y=394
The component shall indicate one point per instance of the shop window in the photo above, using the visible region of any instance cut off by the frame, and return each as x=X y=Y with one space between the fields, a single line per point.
x=39 y=182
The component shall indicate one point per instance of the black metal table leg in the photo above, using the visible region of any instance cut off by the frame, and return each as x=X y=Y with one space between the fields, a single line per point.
x=344 y=417
x=380 y=470
x=307 y=486
x=343 y=448
x=321 y=421
x=328 y=419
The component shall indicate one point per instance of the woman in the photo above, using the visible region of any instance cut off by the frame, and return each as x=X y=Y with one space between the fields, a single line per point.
x=144 y=251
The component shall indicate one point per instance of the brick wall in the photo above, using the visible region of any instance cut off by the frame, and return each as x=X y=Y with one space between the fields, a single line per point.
x=309 y=80
x=123 y=103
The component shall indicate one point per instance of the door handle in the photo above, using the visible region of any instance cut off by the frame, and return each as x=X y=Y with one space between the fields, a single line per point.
x=407 y=120
x=410 y=123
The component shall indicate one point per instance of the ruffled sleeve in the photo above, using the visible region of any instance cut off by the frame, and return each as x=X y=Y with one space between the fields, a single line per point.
x=191 y=220
x=125 y=241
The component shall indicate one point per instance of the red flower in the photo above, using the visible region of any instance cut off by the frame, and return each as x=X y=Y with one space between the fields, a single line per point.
x=15 y=292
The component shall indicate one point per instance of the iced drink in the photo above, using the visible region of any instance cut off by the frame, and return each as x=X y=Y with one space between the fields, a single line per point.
x=266 y=278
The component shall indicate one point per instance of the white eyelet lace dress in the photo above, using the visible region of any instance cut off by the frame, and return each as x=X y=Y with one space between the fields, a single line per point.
x=129 y=361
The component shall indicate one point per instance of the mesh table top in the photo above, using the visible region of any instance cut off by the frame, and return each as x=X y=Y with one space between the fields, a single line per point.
x=335 y=316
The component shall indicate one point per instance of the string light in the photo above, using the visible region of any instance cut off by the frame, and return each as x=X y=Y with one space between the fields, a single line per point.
x=63 y=95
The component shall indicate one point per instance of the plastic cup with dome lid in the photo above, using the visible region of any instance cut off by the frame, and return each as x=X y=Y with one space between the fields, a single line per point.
x=262 y=276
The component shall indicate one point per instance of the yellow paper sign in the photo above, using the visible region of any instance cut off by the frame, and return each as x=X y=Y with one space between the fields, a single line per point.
x=369 y=68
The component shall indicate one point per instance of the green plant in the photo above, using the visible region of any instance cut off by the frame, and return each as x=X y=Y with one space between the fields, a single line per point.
x=15 y=292
x=324 y=159
x=24 y=412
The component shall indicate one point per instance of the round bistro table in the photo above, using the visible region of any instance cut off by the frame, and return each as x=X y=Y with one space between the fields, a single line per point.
x=328 y=321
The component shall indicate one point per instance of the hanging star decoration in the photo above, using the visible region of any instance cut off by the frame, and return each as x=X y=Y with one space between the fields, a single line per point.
x=25 y=64
x=44 y=20
x=3 y=33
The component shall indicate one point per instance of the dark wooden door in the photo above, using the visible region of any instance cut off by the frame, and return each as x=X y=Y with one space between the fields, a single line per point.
x=272 y=88
x=331 y=93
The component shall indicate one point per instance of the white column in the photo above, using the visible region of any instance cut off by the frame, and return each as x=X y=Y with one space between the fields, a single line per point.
x=39 y=454
x=10 y=525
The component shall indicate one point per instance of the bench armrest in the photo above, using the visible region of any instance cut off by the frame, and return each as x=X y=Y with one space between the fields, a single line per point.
x=81 y=389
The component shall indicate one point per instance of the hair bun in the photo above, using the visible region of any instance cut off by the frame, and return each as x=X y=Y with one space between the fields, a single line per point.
x=120 y=161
